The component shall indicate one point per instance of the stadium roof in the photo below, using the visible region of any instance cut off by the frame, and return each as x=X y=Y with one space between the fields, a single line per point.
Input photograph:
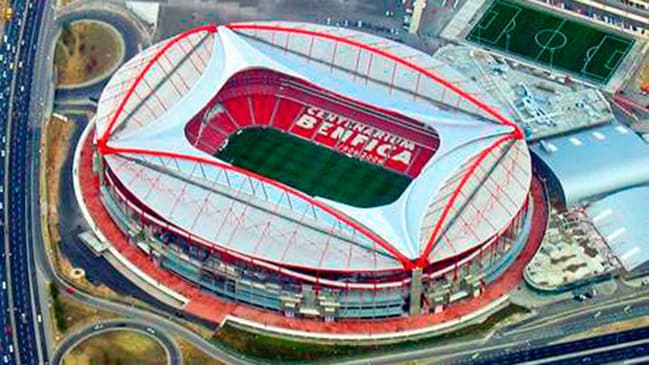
x=623 y=220
x=595 y=161
x=466 y=195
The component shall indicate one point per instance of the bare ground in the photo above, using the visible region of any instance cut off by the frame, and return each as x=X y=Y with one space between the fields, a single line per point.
x=194 y=356
x=84 y=51
x=117 y=347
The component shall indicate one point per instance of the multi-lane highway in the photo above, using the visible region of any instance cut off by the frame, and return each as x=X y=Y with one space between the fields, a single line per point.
x=600 y=349
x=22 y=299
x=7 y=54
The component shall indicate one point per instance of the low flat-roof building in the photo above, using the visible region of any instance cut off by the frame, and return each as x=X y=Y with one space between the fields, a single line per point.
x=623 y=220
x=592 y=163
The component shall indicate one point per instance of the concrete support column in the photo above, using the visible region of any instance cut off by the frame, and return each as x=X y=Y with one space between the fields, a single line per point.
x=415 y=292
x=99 y=167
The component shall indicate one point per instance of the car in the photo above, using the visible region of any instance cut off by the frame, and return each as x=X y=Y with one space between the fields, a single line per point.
x=150 y=330
x=5 y=358
x=98 y=326
x=579 y=297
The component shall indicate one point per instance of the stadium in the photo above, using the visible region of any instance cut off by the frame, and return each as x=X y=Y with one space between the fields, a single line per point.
x=315 y=171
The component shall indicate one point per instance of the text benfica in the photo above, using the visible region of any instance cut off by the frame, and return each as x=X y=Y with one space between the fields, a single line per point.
x=350 y=136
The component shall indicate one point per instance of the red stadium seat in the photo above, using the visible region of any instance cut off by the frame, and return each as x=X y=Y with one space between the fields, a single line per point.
x=262 y=97
x=262 y=106
x=239 y=109
x=286 y=113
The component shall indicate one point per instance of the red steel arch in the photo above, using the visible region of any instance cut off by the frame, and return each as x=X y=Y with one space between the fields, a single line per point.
x=107 y=150
x=104 y=149
x=516 y=134
x=101 y=143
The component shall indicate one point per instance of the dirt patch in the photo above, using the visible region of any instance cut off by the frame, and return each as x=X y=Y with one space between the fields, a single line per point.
x=84 y=51
x=117 y=347
x=70 y=315
x=192 y=355
x=3 y=8
x=59 y=132
x=56 y=141
x=60 y=3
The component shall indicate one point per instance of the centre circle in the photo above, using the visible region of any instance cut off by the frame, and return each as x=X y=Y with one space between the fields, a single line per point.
x=550 y=39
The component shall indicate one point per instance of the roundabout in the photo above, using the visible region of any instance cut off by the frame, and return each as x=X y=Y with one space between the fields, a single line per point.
x=119 y=329
x=87 y=52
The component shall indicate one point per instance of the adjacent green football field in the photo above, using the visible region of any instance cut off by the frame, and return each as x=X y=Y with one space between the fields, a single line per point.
x=551 y=40
x=313 y=169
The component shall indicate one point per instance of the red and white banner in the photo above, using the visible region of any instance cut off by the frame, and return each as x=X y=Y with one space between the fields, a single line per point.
x=356 y=139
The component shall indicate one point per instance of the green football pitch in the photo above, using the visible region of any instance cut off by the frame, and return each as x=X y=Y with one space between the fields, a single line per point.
x=551 y=40
x=313 y=169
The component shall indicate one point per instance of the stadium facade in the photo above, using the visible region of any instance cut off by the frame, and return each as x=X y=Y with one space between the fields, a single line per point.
x=258 y=236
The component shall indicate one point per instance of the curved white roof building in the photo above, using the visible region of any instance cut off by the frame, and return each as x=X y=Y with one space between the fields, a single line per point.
x=165 y=115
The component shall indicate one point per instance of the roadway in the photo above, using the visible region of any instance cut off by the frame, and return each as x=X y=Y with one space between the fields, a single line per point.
x=132 y=41
x=174 y=355
x=24 y=297
x=161 y=318
x=7 y=85
x=540 y=329
x=600 y=349
x=42 y=91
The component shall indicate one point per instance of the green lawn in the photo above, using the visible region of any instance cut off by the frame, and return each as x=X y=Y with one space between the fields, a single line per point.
x=282 y=351
x=313 y=169
x=551 y=40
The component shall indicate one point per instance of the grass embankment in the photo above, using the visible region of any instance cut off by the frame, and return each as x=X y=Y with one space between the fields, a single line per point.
x=277 y=349
x=58 y=134
x=67 y=313
x=70 y=315
x=86 y=50
x=193 y=355
x=117 y=347
x=3 y=7
x=56 y=140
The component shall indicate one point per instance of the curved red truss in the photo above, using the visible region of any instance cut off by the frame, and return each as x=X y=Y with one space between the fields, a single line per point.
x=516 y=134
x=104 y=138
x=491 y=111
x=107 y=150
x=423 y=259
x=104 y=149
